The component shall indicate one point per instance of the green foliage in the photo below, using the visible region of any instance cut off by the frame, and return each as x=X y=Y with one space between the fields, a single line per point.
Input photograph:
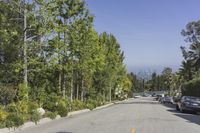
x=27 y=110
x=23 y=92
x=51 y=102
x=35 y=116
x=62 y=108
x=3 y=116
x=7 y=94
x=191 y=88
x=51 y=115
x=11 y=108
x=38 y=94
x=14 y=120
x=32 y=107
x=71 y=54
x=77 y=105
x=91 y=104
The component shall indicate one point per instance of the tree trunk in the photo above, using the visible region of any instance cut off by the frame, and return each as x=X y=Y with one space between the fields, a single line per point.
x=64 y=86
x=72 y=89
x=110 y=96
x=64 y=74
x=82 y=89
x=25 y=49
x=59 y=82
x=77 y=91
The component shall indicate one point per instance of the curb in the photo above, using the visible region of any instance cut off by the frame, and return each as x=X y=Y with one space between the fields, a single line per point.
x=78 y=112
x=46 y=120
x=104 y=106
x=25 y=125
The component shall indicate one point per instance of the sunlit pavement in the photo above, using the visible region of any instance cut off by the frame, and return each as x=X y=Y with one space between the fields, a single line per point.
x=144 y=115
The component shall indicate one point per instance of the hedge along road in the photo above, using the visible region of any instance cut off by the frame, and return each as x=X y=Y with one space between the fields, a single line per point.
x=143 y=114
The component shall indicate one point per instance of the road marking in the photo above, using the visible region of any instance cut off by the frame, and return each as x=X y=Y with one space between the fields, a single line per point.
x=132 y=130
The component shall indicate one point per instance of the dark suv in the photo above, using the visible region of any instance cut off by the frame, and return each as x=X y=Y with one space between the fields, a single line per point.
x=188 y=103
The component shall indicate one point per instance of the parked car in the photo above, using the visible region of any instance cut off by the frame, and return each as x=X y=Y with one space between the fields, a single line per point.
x=160 y=99
x=167 y=99
x=153 y=95
x=188 y=103
x=159 y=96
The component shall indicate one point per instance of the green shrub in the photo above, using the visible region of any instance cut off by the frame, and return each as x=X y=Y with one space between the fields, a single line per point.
x=51 y=115
x=32 y=107
x=51 y=102
x=91 y=104
x=100 y=99
x=191 y=88
x=25 y=110
x=62 y=108
x=22 y=107
x=7 y=94
x=35 y=116
x=3 y=116
x=12 y=108
x=14 y=120
x=77 y=105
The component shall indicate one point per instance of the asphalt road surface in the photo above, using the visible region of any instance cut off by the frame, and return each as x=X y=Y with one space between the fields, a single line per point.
x=142 y=114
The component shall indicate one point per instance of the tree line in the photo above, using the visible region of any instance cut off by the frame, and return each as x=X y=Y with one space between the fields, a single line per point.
x=152 y=81
x=186 y=80
x=49 y=50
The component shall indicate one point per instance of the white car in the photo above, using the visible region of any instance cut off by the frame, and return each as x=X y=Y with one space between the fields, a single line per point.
x=167 y=99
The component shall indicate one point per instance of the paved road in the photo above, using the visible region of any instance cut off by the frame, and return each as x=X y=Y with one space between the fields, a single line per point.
x=143 y=114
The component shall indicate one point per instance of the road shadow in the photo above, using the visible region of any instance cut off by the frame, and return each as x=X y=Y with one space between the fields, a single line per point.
x=168 y=105
x=138 y=103
x=63 y=132
x=190 y=117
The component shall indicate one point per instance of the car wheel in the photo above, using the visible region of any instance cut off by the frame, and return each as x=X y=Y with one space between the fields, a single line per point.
x=177 y=108
x=198 y=113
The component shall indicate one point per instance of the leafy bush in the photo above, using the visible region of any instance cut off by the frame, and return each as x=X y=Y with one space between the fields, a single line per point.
x=3 y=116
x=51 y=115
x=7 y=94
x=191 y=88
x=23 y=92
x=35 y=116
x=26 y=110
x=12 y=108
x=77 y=105
x=32 y=107
x=91 y=104
x=100 y=99
x=23 y=107
x=32 y=113
x=14 y=120
x=62 y=108
x=38 y=94
x=51 y=102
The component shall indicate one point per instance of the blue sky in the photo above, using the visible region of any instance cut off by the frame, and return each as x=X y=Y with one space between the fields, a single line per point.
x=148 y=30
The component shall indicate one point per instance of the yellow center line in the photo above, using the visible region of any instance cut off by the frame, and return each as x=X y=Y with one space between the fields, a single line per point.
x=132 y=130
